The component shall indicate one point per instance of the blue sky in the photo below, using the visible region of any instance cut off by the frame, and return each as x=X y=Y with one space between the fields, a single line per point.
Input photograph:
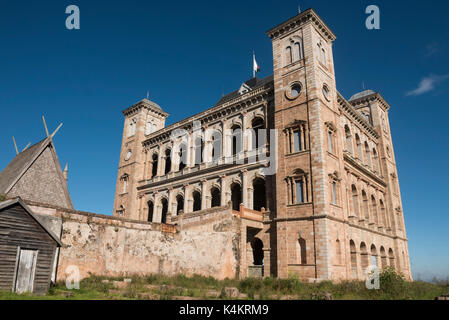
x=186 y=54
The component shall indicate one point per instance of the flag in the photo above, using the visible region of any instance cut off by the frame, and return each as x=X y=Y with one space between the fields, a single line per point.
x=255 y=66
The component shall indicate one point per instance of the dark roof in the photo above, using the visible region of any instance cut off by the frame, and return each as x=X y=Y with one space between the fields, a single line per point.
x=253 y=83
x=362 y=94
x=9 y=203
x=16 y=167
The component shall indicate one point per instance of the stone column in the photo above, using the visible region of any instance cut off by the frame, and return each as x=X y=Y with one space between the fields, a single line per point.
x=161 y=165
x=245 y=187
x=203 y=194
x=186 y=198
x=171 y=205
x=222 y=190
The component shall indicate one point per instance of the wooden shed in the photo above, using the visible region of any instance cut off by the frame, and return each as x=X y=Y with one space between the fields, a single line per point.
x=27 y=249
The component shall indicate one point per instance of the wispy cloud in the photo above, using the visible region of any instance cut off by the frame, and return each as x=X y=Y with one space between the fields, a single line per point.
x=428 y=84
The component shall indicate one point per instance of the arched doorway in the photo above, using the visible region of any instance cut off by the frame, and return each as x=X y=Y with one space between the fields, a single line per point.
x=259 y=194
x=155 y=163
x=236 y=139
x=257 y=246
x=167 y=161
x=179 y=204
x=196 y=201
x=216 y=197
x=150 y=211
x=236 y=196
x=164 y=203
x=258 y=126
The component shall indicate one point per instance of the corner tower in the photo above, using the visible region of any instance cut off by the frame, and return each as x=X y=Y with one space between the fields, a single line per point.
x=141 y=120
x=305 y=109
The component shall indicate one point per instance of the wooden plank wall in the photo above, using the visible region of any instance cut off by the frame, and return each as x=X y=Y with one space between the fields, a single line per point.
x=19 y=229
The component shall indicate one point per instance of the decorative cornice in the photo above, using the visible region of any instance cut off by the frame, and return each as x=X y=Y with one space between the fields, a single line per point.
x=145 y=104
x=367 y=172
x=299 y=20
x=372 y=97
x=349 y=110
x=258 y=96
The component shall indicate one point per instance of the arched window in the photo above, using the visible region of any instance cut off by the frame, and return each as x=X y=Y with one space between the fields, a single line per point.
x=257 y=246
x=196 y=201
x=348 y=137
x=297 y=187
x=182 y=156
x=259 y=194
x=236 y=140
x=216 y=197
x=167 y=161
x=355 y=201
x=150 y=211
x=368 y=156
x=359 y=147
x=216 y=145
x=199 y=147
x=164 y=204
x=374 y=209
x=383 y=213
x=373 y=255
x=301 y=251
x=365 y=205
x=179 y=204
x=155 y=163
x=288 y=55
x=236 y=196
x=124 y=179
x=391 y=257
x=364 y=256
x=353 y=251
x=258 y=133
x=298 y=50
x=338 y=252
x=376 y=161
x=383 y=257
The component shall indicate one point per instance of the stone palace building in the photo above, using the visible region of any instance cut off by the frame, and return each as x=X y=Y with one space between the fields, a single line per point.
x=310 y=176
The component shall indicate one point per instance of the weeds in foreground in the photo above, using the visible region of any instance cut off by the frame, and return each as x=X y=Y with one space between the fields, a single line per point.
x=392 y=286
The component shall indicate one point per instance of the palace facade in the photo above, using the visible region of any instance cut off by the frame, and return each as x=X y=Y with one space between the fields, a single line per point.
x=310 y=175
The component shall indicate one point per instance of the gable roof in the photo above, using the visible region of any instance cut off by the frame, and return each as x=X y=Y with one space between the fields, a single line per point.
x=9 y=203
x=23 y=161
x=18 y=166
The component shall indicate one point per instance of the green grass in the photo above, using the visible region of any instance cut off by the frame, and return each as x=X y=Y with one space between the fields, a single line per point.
x=392 y=286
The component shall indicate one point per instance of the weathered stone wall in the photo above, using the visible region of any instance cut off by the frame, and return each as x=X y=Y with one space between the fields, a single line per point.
x=106 y=245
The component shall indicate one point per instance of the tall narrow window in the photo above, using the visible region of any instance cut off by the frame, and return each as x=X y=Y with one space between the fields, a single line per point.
x=355 y=201
x=301 y=251
x=298 y=51
x=330 y=141
x=199 y=146
x=368 y=156
x=348 y=137
x=155 y=163
x=297 y=141
x=359 y=147
x=179 y=204
x=167 y=161
x=288 y=55
x=164 y=203
x=365 y=205
x=150 y=211
x=196 y=201
x=125 y=179
x=299 y=189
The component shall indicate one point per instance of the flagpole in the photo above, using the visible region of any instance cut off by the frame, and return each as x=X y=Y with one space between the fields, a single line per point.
x=254 y=71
